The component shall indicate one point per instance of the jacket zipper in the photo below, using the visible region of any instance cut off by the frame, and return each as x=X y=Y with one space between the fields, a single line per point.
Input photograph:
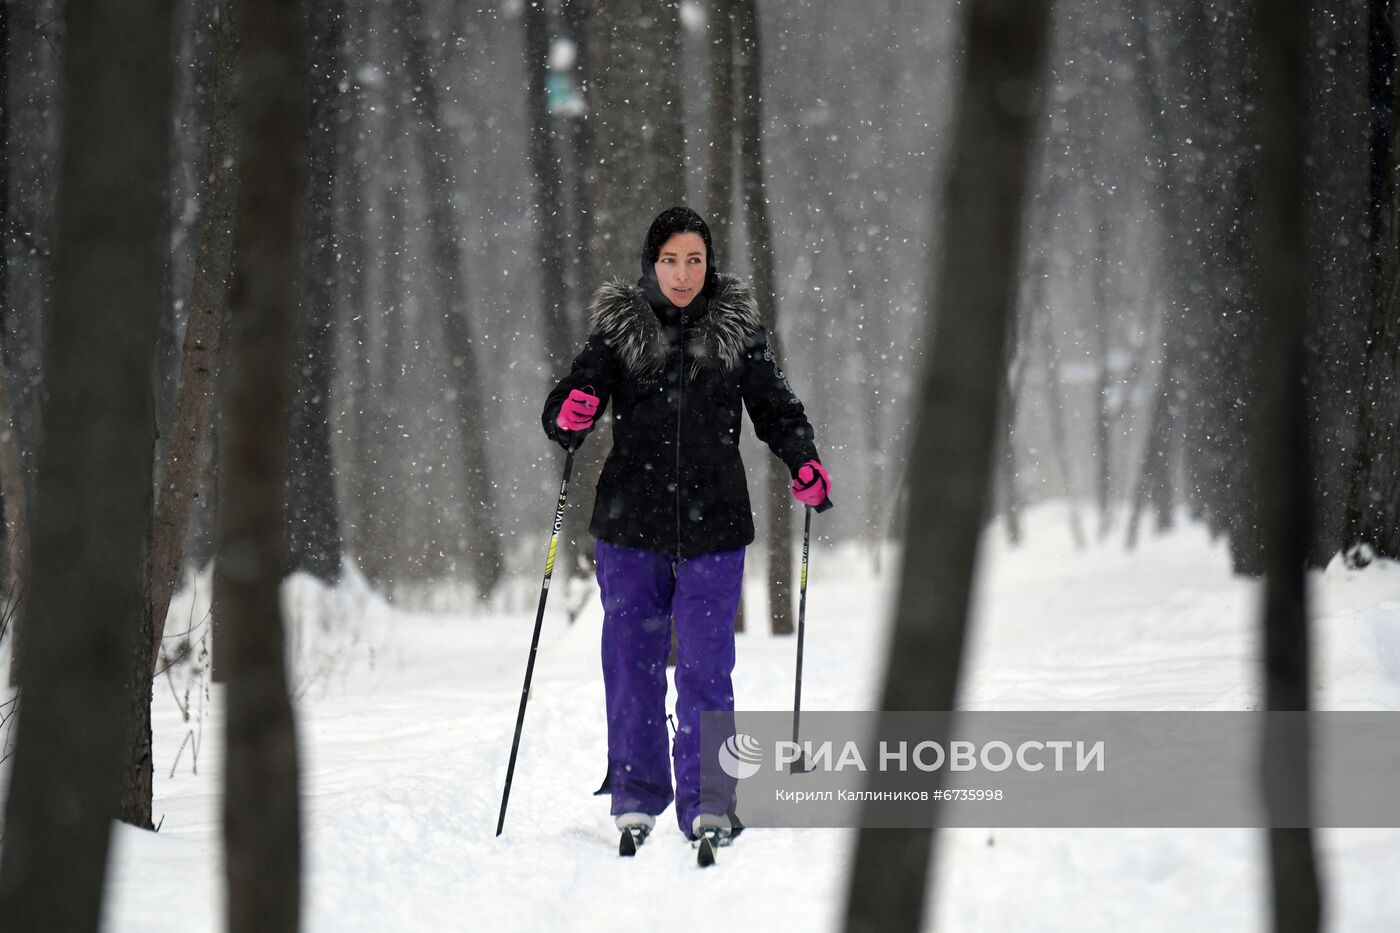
x=680 y=407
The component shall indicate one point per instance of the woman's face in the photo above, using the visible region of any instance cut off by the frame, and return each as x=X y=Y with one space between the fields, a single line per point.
x=681 y=268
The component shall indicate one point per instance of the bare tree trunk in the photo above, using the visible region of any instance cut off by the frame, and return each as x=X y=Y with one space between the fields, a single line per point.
x=1103 y=435
x=86 y=646
x=956 y=436
x=380 y=322
x=1154 y=474
x=1281 y=461
x=573 y=19
x=32 y=163
x=1037 y=318
x=203 y=525
x=719 y=182
x=313 y=521
x=262 y=823
x=1341 y=113
x=631 y=78
x=1180 y=90
x=13 y=497
x=357 y=456
x=1154 y=477
x=1373 y=526
x=879 y=386
x=1014 y=374
x=750 y=72
x=478 y=493
x=1237 y=500
x=204 y=334
x=552 y=246
x=1059 y=438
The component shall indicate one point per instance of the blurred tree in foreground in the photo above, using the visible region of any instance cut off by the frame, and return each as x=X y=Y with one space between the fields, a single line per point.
x=83 y=662
x=955 y=438
x=262 y=822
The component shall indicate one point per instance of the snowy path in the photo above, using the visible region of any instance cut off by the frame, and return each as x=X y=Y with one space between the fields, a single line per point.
x=403 y=764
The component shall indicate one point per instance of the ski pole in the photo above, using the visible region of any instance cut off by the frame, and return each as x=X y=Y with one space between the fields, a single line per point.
x=535 y=639
x=801 y=764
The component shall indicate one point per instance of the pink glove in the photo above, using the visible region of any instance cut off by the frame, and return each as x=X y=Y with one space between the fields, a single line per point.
x=812 y=485
x=578 y=411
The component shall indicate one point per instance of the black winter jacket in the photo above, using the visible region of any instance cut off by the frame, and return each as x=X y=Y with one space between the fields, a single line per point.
x=673 y=481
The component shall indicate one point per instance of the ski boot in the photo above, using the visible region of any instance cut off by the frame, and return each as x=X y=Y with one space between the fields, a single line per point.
x=635 y=829
x=710 y=831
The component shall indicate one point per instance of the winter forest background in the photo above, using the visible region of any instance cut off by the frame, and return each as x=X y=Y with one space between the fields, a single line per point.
x=474 y=170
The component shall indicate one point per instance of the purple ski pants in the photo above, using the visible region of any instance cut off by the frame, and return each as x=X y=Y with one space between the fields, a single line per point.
x=642 y=591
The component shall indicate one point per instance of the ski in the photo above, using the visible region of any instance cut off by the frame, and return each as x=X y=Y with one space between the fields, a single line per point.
x=710 y=840
x=632 y=837
x=706 y=856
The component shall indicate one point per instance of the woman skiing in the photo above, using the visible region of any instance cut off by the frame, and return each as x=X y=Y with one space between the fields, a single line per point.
x=678 y=355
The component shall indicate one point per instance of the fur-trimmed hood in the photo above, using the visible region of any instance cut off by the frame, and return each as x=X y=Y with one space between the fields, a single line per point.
x=621 y=313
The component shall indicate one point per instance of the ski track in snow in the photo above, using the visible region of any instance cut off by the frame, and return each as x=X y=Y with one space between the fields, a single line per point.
x=403 y=760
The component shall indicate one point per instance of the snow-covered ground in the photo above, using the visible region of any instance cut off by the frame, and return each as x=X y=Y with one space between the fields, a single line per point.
x=404 y=750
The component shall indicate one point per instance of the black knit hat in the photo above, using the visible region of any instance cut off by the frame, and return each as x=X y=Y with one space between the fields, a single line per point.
x=673 y=220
